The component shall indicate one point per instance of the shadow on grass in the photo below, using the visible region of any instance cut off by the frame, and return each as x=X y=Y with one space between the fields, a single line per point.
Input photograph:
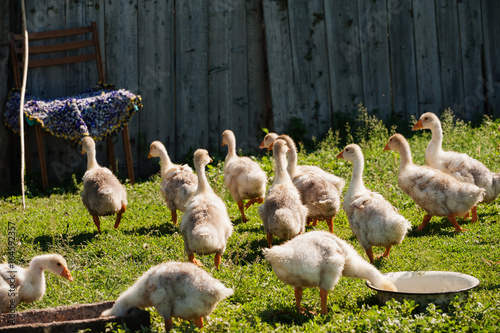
x=287 y=317
x=439 y=226
x=166 y=228
x=45 y=241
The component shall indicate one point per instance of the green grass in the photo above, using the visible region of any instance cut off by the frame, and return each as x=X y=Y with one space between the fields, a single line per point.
x=105 y=265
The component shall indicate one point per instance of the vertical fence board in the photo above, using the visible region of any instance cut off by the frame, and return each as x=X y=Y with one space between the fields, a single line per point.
x=426 y=49
x=307 y=31
x=450 y=55
x=256 y=74
x=156 y=80
x=192 y=115
x=219 y=78
x=402 y=55
x=491 y=31
x=228 y=89
x=344 y=55
x=283 y=94
x=238 y=70
x=471 y=38
x=374 y=56
x=122 y=65
x=9 y=144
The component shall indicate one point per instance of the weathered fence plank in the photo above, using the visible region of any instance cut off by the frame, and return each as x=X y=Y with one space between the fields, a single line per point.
x=310 y=70
x=228 y=76
x=121 y=63
x=471 y=41
x=10 y=151
x=192 y=116
x=374 y=46
x=402 y=55
x=257 y=84
x=283 y=94
x=491 y=31
x=426 y=49
x=156 y=80
x=344 y=55
x=452 y=85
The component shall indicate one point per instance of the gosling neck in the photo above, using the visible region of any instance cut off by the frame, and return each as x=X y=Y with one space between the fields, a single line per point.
x=36 y=279
x=166 y=163
x=91 y=159
x=292 y=159
x=281 y=174
x=203 y=185
x=405 y=154
x=231 y=149
x=435 y=145
x=357 y=183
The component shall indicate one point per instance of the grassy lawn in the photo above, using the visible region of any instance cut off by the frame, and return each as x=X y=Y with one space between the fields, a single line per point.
x=103 y=266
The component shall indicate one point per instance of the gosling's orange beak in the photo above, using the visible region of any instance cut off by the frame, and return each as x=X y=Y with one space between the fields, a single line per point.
x=66 y=274
x=270 y=146
x=387 y=147
x=262 y=145
x=341 y=154
x=418 y=125
x=211 y=160
x=149 y=155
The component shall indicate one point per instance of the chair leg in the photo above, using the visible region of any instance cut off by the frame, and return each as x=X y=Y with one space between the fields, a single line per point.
x=111 y=154
x=128 y=154
x=41 y=156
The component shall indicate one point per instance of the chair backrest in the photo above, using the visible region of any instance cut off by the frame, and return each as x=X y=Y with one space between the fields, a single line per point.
x=90 y=49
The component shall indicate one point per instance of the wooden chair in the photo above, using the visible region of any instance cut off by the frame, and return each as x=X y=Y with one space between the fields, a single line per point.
x=92 y=43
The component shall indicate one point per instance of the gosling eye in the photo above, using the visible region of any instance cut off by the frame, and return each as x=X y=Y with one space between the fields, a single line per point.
x=58 y=264
x=346 y=150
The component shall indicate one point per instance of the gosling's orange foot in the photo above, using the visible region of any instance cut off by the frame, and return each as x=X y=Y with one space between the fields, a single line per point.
x=199 y=322
x=474 y=214
x=306 y=311
x=252 y=201
x=197 y=262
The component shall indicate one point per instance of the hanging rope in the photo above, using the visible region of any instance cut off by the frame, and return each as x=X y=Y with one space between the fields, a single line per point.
x=21 y=105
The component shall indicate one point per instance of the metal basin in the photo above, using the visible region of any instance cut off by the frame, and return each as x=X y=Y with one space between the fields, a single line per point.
x=424 y=287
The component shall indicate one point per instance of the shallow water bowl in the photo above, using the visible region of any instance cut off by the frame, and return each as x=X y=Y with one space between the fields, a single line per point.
x=426 y=287
x=72 y=318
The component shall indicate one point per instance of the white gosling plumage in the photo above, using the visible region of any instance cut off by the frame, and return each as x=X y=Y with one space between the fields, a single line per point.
x=282 y=213
x=460 y=166
x=338 y=182
x=320 y=196
x=175 y=289
x=243 y=177
x=205 y=224
x=18 y=284
x=373 y=220
x=319 y=259
x=178 y=182
x=438 y=193
x=102 y=194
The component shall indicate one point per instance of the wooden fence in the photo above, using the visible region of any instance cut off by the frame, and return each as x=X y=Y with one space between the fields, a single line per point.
x=205 y=66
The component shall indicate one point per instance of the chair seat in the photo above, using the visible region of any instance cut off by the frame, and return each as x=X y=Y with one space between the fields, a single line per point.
x=98 y=112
